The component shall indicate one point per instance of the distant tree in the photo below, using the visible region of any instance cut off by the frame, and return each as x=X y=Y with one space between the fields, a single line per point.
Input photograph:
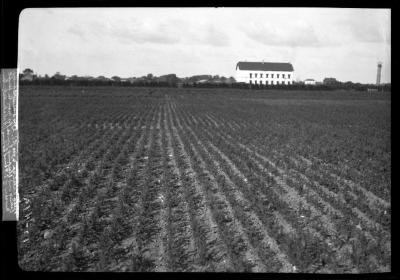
x=149 y=76
x=116 y=78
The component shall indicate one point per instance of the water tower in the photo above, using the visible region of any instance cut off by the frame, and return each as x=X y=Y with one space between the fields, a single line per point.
x=378 y=73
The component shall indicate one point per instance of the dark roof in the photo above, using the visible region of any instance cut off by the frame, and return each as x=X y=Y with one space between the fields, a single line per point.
x=264 y=66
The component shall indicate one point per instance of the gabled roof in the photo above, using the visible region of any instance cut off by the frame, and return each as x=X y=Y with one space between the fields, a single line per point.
x=264 y=66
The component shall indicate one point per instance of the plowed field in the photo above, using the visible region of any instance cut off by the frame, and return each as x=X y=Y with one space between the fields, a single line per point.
x=136 y=179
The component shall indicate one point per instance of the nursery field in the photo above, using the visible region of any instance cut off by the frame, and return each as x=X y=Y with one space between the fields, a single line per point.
x=166 y=179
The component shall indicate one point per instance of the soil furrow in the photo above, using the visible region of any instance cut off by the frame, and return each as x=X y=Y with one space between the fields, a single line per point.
x=329 y=243
x=209 y=244
x=243 y=251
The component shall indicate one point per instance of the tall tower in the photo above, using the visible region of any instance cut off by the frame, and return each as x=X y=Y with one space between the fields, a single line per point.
x=378 y=73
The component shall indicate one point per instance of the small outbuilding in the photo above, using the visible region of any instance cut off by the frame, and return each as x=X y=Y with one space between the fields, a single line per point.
x=310 y=82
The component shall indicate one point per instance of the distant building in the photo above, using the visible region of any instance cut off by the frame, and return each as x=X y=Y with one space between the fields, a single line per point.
x=58 y=76
x=378 y=74
x=102 y=78
x=132 y=80
x=330 y=81
x=116 y=79
x=264 y=73
x=197 y=78
x=230 y=80
x=27 y=75
x=140 y=79
x=309 y=82
x=169 y=78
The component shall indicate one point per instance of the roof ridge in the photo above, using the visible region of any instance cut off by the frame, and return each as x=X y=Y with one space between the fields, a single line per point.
x=264 y=62
x=265 y=66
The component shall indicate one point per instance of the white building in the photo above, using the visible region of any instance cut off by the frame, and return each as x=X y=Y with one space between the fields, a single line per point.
x=310 y=82
x=264 y=73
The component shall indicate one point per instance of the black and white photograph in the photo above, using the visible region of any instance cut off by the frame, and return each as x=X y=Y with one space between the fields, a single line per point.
x=244 y=140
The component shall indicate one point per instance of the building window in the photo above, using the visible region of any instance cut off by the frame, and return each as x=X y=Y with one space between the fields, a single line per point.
x=251 y=82
x=266 y=75
x=255 y=82
x=266 y=82
x=272 y=75
x=260 y=75
x=272 y=82
x=277 y=75
x=288 y=76
x=250 y=75
x=283 y=75
x=260 y=82
x=255 y=75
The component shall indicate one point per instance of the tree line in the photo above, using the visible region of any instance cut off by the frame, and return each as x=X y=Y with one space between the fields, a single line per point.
x=207 y=81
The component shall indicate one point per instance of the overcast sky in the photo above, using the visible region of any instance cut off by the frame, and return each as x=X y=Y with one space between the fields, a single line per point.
x=319 y=42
